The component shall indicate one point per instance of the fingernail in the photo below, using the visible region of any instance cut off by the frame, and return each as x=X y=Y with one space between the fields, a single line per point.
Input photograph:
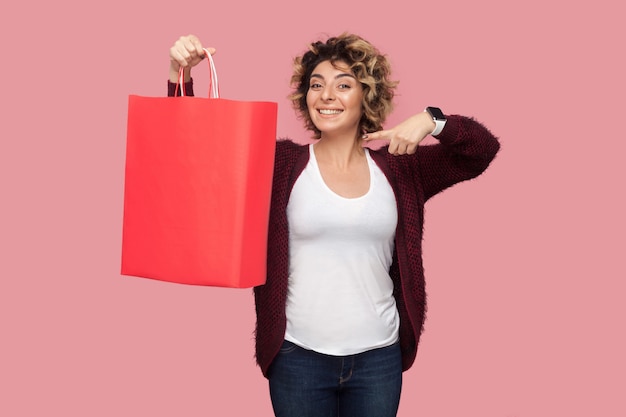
x=364 y=136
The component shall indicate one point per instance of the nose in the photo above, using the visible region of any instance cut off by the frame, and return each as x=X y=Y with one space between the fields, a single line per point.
x=328 y=93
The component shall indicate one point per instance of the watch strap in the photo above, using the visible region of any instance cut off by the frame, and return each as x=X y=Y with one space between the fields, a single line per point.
x=438 y=118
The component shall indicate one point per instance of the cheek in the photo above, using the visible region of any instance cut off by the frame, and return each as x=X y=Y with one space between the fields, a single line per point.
x=309 y=100
x=357 y=105
x=356 y=99
x=312 y=94
x=310 y=103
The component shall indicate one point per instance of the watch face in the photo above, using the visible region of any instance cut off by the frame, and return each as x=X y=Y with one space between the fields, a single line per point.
x=436 y=113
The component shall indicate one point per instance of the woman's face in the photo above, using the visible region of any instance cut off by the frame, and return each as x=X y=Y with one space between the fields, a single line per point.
x=334 y=99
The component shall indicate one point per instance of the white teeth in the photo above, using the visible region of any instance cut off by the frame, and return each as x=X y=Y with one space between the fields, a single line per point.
x=328 y=111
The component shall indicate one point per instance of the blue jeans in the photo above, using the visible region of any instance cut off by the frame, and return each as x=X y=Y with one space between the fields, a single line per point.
x=304 y=383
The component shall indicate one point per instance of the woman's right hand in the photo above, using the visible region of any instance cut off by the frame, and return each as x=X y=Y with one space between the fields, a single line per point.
x=187 y=52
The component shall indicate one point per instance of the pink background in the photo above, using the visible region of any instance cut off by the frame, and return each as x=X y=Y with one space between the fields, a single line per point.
x=524 y=266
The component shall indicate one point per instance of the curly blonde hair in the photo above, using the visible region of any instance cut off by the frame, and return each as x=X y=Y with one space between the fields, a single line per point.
x=368 y=65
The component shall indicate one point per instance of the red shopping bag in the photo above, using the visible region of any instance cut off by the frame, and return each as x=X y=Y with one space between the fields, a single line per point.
x=197 y=189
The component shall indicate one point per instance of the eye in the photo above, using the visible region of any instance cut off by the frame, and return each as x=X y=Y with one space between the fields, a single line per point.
x=315 y=86
x=344 y=86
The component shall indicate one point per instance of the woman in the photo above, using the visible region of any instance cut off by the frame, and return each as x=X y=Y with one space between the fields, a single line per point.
x=340 y=316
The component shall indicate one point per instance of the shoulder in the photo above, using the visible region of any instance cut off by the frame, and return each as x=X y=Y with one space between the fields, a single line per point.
x=379 y=153
x=387 y=161
x=288 y=153
x=287 y=146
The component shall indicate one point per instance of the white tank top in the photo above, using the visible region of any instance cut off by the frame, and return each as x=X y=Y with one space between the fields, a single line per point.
x=340 y=296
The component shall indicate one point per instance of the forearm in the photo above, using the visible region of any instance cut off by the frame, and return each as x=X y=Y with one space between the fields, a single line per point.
x=173 y=89
x=174 y=74
x=465 y=150
x=469 y=139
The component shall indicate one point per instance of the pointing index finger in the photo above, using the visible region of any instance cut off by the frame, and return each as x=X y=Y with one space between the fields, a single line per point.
x=381 y=134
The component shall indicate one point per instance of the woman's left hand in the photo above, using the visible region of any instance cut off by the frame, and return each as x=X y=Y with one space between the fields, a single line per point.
x=405 y=137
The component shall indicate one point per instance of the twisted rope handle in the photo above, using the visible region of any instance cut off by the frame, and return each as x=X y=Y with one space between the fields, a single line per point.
x=214 y=90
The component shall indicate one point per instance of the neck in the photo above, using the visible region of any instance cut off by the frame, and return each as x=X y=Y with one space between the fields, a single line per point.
x=340 y=152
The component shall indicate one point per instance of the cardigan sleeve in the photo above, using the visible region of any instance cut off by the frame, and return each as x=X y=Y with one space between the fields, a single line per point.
x=465 y=150
x=172 y=89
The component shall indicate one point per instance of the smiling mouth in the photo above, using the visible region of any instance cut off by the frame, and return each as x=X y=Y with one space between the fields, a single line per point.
x=329 y=111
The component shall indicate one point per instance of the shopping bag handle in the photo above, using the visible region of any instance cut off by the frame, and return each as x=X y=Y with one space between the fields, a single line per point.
x=214 y=91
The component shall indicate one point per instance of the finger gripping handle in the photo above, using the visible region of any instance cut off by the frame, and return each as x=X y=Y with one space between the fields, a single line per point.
x=214 y=91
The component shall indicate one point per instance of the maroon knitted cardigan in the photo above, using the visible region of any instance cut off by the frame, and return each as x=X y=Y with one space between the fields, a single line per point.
x=465 y=150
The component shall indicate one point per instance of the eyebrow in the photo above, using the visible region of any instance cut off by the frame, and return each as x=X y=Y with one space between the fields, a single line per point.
x=337 y=77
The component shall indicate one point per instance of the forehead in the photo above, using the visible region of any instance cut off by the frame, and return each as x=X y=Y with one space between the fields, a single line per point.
x=331 y=68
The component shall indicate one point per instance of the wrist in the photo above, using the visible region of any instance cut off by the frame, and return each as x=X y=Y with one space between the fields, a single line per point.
x=174 y=74
x=438 y=119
